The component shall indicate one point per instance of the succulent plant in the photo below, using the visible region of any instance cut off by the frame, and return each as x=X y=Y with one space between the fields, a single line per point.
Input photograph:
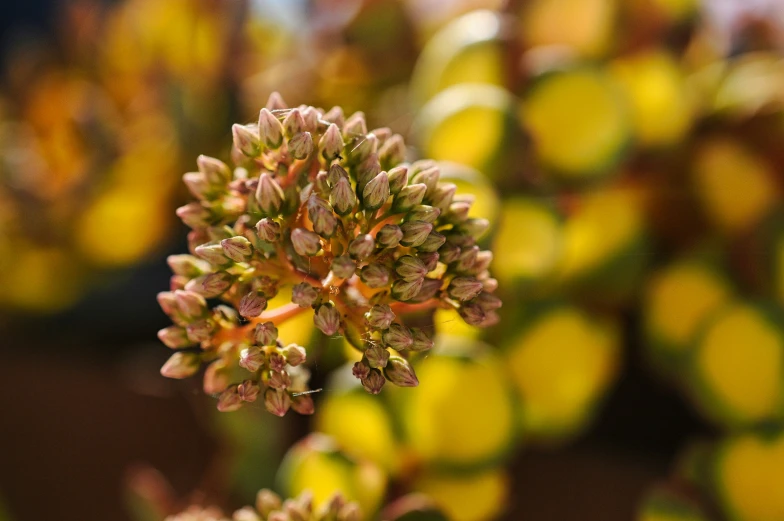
x=317 y=203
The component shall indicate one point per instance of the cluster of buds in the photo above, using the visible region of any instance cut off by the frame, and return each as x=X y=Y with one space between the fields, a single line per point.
x=317 y=203
x=270 y=507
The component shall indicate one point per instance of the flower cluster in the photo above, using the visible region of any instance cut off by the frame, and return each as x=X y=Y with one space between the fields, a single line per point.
x=317 y=203
x=269 y=507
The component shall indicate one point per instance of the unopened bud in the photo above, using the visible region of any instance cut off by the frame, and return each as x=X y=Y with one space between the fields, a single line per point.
x=293 y=123
x=361 y=247
x=350 y=512
x=216 y=377
x=374 y=381
x=432 y=243
x=368 y=169
x=389 y=235
x=303 y=404
x=306 y=243
x=376 y=192
x=331 y=143
x=422 y=341
x=360 y=370
x=187 y=265
x=215 y=170
x=266 y=502
x=268 y=230
x=398 y=337
x=472 y=313
x=429 y=259
x=334 y=115
x=442 y=196
x=269 y=194
x=449 y=253
x=354 y=126
x=488 y=301
x=181 y=365
x=191 y=305
x=304 y=295
x=212 y=285
x=363 y=147
x=399 y=372
x=198 y=185
x=311 y=117
x=403 y=291
x=194 y=215
x=301 y=145
x=415 y=233
x=343 y=267
x=174 y=337
x=246 y=139
x=428 y=177
x=379 y=316
x=490 y=284
x=467 y=259
x=429 y=289
x=475 y=227
x=464 y=288
x=393 y=151
x=265 y=334
x=398 y=179
x=277 y=402
x=251 y=305
x=408 y=197
x=279 y=379
x=277 y=362
x=248 y=391
x=374 y=275
x=295 y=355
x=342 y=196
x=245 y=514
x=200 y=330
x=270 y=130
x=482 y=261
x=229 y=400
x=376 y=356
x=275 y=102
x=327 y=319
x=237 y=249
x=410 y=268
x=423 y=212
x=458 y=211
x=252 y=359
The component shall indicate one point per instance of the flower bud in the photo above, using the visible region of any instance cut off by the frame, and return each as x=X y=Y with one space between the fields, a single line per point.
x=363 y=147
x=393 y=151
x=376 y=192
x=449 y=253
x=442 y=196
x=379 y=316
x=181 y=365
x=279 y=380
x=408 y=197
x=410 y=268
x=301 y=145
x=303 y=404
x=265 y=334
x=295 y=355
x=399 y=372
x=350 y=512
x=490 y=284
x=334 y=115
x=475 y=227
x=187 y=265
x=342 y=196
x=376 y=356
x=327 y=319
x=211 y=285
x=360 y=370
x=432 y=243
x=361 y=247
x=229 y=400
x=275 y=102
x=423 y=212
x=277 y=402
x=415 y=233
x=389 y=235
x=191 y=306
x=174 y=337
x=343 y=267
x=304 y=295
x=402 y=290
x=268 y=230
x=198 y=185
x=422 y=341
x=270 y=130
x=293 y=123
x=366 y=171
x=398 y=337
x=168 y=303
x=245 y=514
x=194 y=215
x=458 y=211
x=398 y=179
x=472 y=313
x=248 y=391
x=215 y=170
x=251 y=305
x=269 y=194
x=324 y=222
x=355 y=126
x=429 y=259
x=216 y=377
x=237 y=249
x=252 y=359
x=374 y=381
x=374 y=276
x=311 y=117
x=428 y=177
x=306 y=243
x=467 y=259
x=266 y=502
x=482 y=261
x=429 y=289
x=464 y=288
x=331 y=143
x=488 y=301
x=277 y=362
x=246 y=139
x=200 y=330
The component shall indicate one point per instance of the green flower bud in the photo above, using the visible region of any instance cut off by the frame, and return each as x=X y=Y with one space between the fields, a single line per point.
x=306 y=243
x=251 y=305
x=393 y=151
x=429 y=259
x=265 y=334
x=398 y=337
x=342 y=196
x=301 y=145
x=458 y=212
x=442 y=196
x=248 y=391
x=408 y=197
x=277 y=402
x=237 y=249
x=324 y=221
x=252 y=359
x=181 y=365
x=327 y=319
x=335 y=173
x=376 y=356
x=355 y=126
x=429 y=289
x=376 y=192
x=269 y=194
x=410 y=268
x=428 y=177
x=187 y=265
x=398 y=179
x=343 y=267
x=366 y=171
x=304 y=295
x=331 y=143
x=361 y=247
x=399 y=372
x=293 y=123
x=215 y=170
x=270 y=130
x=311 y=117
x=422 y=212
x=174 y=337
x=334 y=115
x=475 y=227
x=246 y=139
x=389 y=235
x=275 y=102
x=194 y=215
x=229 y=400
x=403 y=291
x=415 y=233
x=374 y=276
x=363 y=147
x=467 y=259
x=379 y=316
x=295 y=355
x=268 y=230
x=432 y=243
x=449 y=252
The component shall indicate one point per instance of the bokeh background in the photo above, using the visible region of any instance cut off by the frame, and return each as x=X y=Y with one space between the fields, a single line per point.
x=628 y=153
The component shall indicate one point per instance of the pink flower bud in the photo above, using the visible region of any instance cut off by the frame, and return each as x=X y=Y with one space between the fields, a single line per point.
x=200 y=330
x=248 y=391
x=398 y=337
x=432 y=243
x=422 y=341
x=399 y=372
x=379 y=316
x=216 y=377
x=191 y=306
x=360 y=370
x=331 y=143
x=342 y=196
x=237 y=249
x=265 y=334
x=229 y=400
x=410 y=268
x=215 y=170
x=398 y=179
x=270 y=130
x=277 y=402
x=252 y=359
x=174 y=337
x=304 y=295
x=374 y=381
x=303 y=404
x=268 y=230
x=266 y=502
x=464 y=288
x=415 y=233
x=389 y=235
x=275 y=102
x=269 y=194
x=306 y=243
x=327 y=319
x=343 y=266
x=293 y=123
x=187 y=265
x=194 y=215
x=442 y=196
x=428 y=177
x=361 y=247
x=251 y=305
x=212 y=253
x=279 y=380
x=403 y=291
x=181 y=365
x=301 y=145
x=393 y=151
x=246 y=139
x=355 y=126
x=334 y=115
x=376 y=192
x=294 y=354
x=376 y=356
x=375 y=276
x=408 y=197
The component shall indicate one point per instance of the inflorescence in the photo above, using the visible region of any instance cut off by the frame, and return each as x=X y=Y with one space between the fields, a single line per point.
x=317 y=203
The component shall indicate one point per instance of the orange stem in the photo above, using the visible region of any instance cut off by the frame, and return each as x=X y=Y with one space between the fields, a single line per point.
x=401 y=308
x=277 y=316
